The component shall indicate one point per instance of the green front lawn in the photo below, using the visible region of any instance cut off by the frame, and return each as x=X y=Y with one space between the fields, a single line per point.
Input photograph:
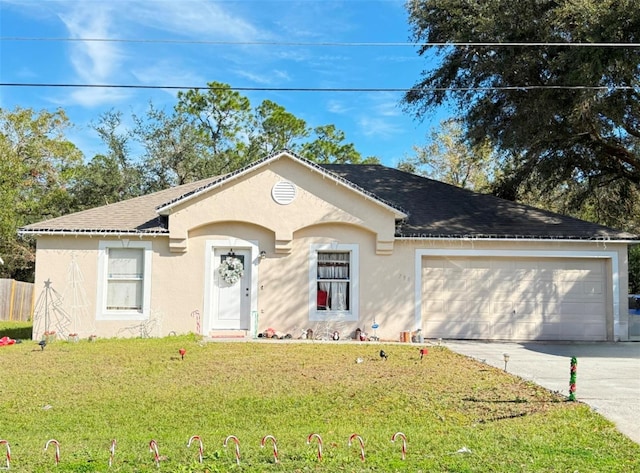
x=85 y=394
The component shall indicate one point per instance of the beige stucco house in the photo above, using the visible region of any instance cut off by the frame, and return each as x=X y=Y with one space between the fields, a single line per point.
x=331 y=248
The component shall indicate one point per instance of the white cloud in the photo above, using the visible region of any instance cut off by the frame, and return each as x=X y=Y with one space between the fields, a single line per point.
x=379 y=127
x=337 y=106
x=197 y=19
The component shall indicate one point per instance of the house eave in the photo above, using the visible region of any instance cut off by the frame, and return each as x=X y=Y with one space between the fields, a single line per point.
x=514 y=238
x=89 y=232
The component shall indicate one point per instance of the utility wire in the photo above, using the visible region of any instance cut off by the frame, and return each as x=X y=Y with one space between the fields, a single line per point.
x=321 y=44
x=328 y=89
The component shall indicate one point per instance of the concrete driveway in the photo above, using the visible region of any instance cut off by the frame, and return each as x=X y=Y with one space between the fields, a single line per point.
x=608 y=375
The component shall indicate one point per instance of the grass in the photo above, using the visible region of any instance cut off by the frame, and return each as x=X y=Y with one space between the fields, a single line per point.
x=16 y=330
x=85 y=394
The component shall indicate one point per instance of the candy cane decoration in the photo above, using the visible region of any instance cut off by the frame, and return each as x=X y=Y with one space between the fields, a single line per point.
x=356 y=436
x=153 y=447
x=112 y=452
x=275 y=446
x=200 y=448
x=196 y=314
x=319 y=444
x=237 y=442
x=54 y=441
x=404 y=442
x=6 y=443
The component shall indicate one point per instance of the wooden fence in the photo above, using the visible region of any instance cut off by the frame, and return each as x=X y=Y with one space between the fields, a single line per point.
x=16 y=300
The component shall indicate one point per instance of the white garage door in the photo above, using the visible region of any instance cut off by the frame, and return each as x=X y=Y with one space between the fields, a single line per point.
x=514 y=299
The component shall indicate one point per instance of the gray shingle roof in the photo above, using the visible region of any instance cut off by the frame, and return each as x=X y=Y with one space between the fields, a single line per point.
x=434 y=209
x=440 y=210
x=137 y=215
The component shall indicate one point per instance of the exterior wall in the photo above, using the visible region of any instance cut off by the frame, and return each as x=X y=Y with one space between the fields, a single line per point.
x=387 y=290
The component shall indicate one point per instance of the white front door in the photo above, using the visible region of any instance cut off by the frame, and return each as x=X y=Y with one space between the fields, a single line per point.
x=231 y=301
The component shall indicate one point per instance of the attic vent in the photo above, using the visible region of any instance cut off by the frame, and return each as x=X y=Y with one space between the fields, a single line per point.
x=284 y=192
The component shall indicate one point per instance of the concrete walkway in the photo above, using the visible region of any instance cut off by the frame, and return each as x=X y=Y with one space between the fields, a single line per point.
x=608 y=375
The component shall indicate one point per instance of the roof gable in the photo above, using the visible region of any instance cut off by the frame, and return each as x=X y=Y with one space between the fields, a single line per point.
x=166 y=207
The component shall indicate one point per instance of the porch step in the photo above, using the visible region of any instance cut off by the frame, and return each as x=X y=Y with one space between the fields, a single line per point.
x=228 y=334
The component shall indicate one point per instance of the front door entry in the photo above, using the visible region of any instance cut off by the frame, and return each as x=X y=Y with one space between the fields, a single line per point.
x=231 y=289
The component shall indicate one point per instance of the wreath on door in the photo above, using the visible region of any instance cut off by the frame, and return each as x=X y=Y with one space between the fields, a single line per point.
x=231 y=270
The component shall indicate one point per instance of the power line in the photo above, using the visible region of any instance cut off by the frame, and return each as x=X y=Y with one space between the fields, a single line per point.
x=321 y=44
x=327 y=89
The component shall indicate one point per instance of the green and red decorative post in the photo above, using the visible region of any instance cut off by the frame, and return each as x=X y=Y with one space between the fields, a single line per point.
x=572 y=379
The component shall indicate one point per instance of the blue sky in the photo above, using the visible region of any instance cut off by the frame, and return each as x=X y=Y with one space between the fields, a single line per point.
x=373 y=121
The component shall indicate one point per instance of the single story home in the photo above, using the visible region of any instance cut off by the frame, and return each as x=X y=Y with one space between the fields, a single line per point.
x=287 y=245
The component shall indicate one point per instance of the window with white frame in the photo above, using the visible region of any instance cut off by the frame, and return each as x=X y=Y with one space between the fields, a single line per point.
x=333 y=282
x=125 y=282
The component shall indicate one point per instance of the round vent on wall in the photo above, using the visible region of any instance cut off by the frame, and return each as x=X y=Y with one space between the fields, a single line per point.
x=284 y=192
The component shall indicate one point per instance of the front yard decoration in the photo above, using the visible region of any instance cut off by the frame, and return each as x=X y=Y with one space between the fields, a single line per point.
x=275 y=446
x=356 y=436
x=57 y=444
x=404 y=442
x=237 y=442
x=200 y=446
x=572 y=379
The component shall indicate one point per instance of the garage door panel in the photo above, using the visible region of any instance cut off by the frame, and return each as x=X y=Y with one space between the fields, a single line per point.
x=524 y=299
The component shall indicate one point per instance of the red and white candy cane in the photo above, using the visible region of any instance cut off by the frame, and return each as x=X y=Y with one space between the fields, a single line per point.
x=112 y=451
x=275 y=445
x=237 y=442
x=196 y=314
x=6 y=444
x=311 y=436
x=153 y=447
x=200 y=447
x=356 y=436
x=57 y=444
x=404 y=442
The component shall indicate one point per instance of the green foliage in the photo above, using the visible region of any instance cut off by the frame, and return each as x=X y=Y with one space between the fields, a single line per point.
x=37 y=164
x=554 y=136
x=450 y=158
x=85 y=394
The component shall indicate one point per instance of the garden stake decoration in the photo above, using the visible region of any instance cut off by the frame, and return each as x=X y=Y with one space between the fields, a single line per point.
x=182 y=351
x=112 y=452
x=237 y=442
x=275 y=446
x=356 y=436
x=319 y=444
x=404 y=442
x=153 y=448
x=57 y=444
x=200 y=448
x=6 y=444
x=572 y=379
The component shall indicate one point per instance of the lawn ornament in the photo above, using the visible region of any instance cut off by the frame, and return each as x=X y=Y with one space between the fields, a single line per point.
x=55 y=442
x=356 y=436
x=237 y=442
x=404 y=442
x=572 y=379
x=6 y=444
x=153 y=448
x=112 y=452
x=275 y=446
x=200 y=447
x=311 y=436
x=182 y=352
